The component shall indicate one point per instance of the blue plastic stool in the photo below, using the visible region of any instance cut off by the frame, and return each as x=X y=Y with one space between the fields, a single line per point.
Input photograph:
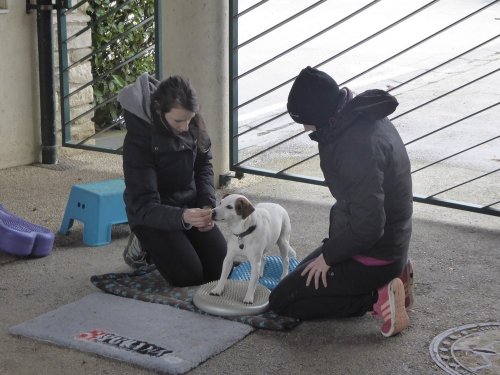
x=272 y=271
x=98 y=206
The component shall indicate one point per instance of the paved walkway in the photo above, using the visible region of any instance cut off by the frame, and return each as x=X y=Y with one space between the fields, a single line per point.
x=455 y=254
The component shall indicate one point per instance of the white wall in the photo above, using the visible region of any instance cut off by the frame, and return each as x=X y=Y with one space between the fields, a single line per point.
x=19 y=106
x=195 y=39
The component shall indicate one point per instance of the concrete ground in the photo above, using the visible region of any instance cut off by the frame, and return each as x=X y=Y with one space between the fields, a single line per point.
x=455 y=256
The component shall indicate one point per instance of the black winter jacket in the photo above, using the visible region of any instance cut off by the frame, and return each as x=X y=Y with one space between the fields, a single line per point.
x=367 y=169
x=164 y=173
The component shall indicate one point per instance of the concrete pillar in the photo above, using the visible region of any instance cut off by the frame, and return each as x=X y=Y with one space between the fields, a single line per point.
x=195 y=40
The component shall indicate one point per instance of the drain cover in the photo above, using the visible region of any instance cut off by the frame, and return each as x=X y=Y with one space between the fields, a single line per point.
x=469 y=349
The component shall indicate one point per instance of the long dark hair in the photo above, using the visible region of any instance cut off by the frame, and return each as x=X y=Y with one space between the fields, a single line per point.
x=177 y=92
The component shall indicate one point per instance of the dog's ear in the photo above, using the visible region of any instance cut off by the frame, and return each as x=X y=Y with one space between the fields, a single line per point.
x=225 y=195
x=243 y=207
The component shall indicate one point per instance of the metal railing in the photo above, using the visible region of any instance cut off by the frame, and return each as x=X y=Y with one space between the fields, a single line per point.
x=282 y=152
x=108 y=137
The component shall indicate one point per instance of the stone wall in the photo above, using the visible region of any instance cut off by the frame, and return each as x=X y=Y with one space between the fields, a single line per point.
x=79 y=75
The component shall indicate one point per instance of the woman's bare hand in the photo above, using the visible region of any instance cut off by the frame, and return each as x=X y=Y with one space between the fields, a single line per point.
x=316 y=271
x=200 y=218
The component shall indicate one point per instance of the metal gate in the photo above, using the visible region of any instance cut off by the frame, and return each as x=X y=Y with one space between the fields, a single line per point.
x=439 y=58
x=98 y=124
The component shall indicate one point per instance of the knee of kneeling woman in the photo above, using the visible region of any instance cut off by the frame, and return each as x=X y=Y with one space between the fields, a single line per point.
x=183 y=279
x=275 y=302
x=187 y=280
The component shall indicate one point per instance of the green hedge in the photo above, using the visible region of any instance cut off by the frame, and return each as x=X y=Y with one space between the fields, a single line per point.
x=109 y=20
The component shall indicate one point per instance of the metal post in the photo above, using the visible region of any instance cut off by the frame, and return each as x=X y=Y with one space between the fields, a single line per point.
x=46 y=79
x=158 y=37
x=233 y=83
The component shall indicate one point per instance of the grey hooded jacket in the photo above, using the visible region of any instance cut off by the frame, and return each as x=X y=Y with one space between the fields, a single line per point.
x=367 y=169
x=164 y=173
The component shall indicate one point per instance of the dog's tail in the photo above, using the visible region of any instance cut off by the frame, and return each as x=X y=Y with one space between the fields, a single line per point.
x=284 y=238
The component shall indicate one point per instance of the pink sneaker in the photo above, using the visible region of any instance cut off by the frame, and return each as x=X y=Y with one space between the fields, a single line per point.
x=391 y=307
x=407 y=279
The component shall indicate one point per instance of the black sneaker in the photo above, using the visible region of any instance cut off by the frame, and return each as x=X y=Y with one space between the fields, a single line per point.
x=133 y=254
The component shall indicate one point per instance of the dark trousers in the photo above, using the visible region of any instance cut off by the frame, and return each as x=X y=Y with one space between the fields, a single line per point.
x=351 y=291
x=184 y=258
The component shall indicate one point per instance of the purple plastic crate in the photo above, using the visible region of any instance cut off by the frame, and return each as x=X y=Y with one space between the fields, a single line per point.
x=22 y=238
x=14 y=239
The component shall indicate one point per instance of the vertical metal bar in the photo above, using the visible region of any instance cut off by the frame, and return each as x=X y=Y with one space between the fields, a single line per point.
x=233 y=82
x=46 y=79
x=63 y=75
x=158 y=37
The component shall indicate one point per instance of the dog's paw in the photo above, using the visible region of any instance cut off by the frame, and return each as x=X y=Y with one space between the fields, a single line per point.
x=248 y=300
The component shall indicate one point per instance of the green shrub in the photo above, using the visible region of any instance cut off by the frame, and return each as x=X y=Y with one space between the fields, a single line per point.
x=110 y=20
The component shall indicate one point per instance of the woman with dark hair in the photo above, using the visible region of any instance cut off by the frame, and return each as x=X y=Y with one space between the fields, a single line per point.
x=169 y=180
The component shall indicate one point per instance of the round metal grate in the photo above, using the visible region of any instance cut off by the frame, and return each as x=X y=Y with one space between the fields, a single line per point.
x=468 y=349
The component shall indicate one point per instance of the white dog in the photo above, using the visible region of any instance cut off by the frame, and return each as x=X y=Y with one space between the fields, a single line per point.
x=255 y=230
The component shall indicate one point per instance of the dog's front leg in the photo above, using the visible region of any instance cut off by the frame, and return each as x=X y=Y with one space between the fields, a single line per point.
x=227 y=265
x=252 y=283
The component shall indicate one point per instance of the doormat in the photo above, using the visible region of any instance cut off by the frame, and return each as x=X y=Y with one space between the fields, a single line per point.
x=153 y=336
x=148 y=285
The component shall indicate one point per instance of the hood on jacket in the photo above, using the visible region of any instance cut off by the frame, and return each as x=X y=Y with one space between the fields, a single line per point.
x=136 y=97
x=372 y=104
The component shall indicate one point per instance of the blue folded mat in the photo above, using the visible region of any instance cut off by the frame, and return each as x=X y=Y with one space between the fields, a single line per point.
x=272 y=271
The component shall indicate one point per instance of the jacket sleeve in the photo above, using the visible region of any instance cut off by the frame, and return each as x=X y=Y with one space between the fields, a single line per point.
x=204 y=179
x=141 y=189
x=359 y=222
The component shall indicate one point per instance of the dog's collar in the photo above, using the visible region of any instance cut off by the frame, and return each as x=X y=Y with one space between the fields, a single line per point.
x=245 y=233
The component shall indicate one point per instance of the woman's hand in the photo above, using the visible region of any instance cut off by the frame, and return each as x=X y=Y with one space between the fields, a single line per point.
x=200 y=218
x=315 y=269
x=211 y=224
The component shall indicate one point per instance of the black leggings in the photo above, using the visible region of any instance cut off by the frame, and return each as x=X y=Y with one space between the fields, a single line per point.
x=351 y=291
x=184 y=258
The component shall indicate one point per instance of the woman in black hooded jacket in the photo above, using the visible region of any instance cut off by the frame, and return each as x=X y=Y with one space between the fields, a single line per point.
x=169 y=181
x=362 y=266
